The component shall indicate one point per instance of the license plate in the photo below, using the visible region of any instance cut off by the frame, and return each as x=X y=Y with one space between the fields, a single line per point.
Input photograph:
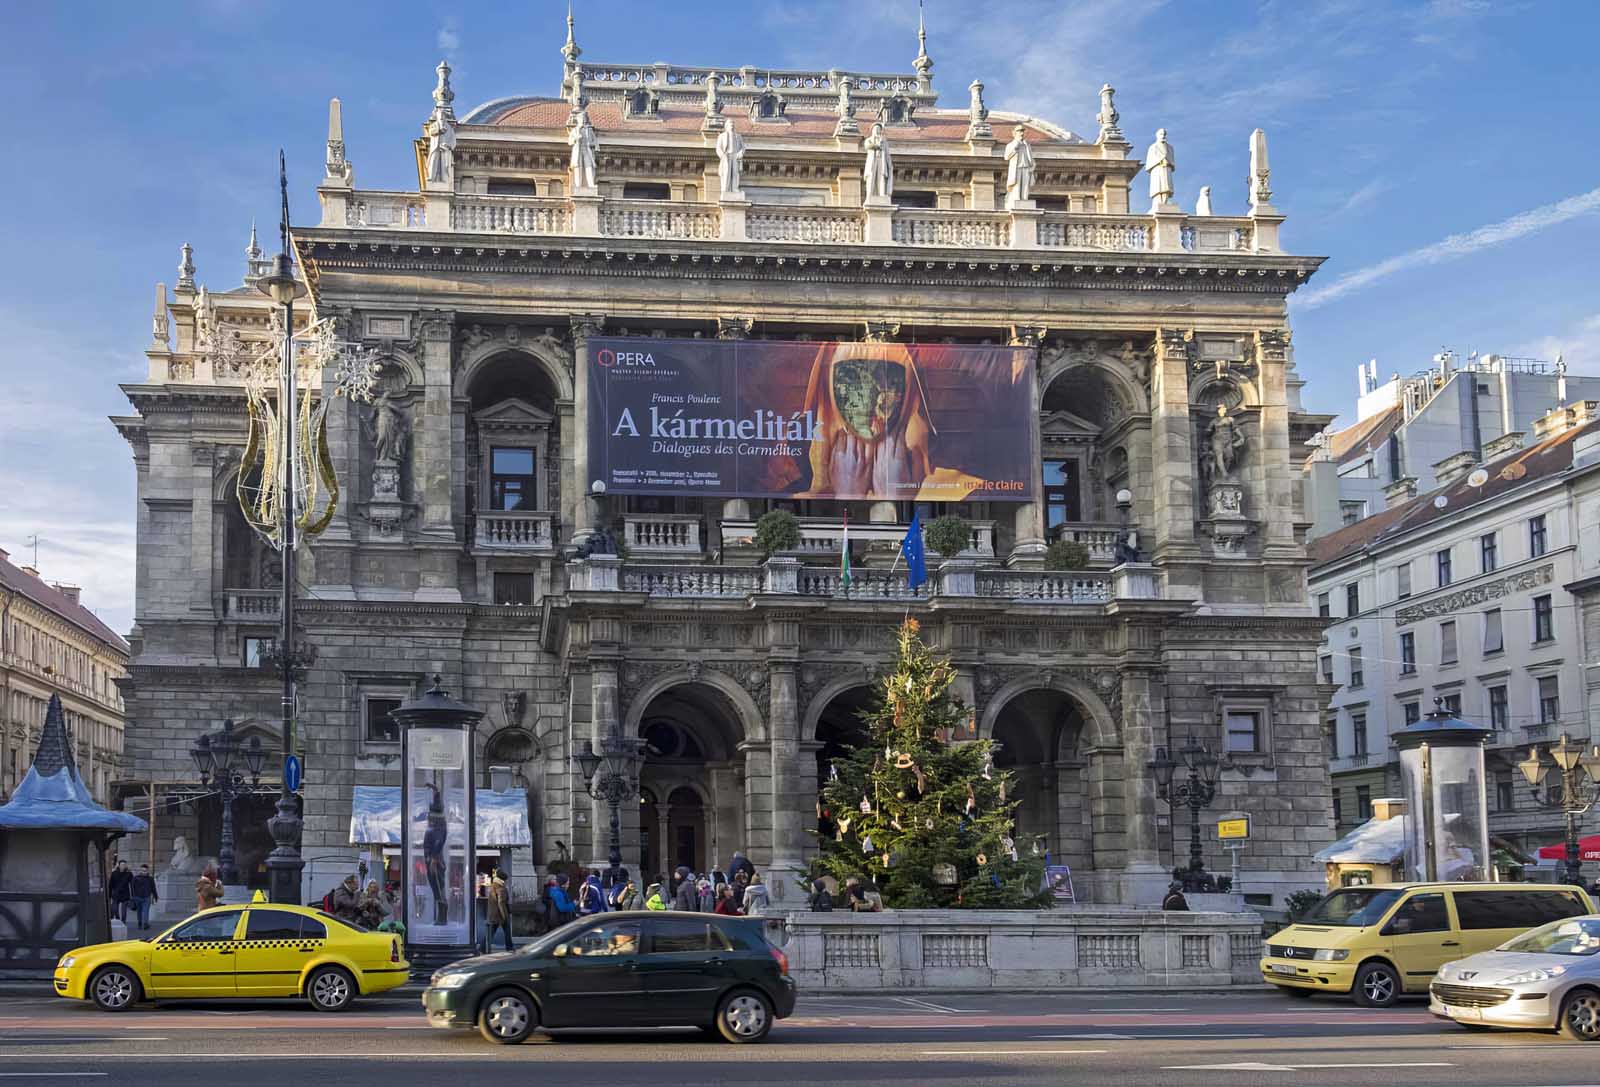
x=1283 y=968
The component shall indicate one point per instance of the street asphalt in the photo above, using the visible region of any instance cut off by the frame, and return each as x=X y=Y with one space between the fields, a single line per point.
x=1231 y=1039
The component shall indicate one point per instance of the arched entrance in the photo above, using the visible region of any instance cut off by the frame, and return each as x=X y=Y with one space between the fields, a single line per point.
x=838 y=731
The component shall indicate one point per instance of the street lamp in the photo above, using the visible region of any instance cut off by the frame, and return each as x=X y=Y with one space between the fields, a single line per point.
x=1194 y=791
x=213 y=756
x=1127 y=539
x=1574 y=794
x=600 y=541
x=611 y=775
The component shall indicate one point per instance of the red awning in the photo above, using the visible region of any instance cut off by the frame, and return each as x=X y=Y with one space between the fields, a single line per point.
x=1588 y=850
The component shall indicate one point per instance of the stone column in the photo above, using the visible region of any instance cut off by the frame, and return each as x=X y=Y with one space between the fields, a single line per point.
x=1173 y=465
x=789 y=803
x=201 y=551
x=1144 y=878
x=603 y=718
x=1028 y=543
x=1275 y=512
x=583 y=327
x=437 y=548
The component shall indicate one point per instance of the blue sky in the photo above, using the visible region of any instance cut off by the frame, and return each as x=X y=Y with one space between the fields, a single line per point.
x=1444 y=155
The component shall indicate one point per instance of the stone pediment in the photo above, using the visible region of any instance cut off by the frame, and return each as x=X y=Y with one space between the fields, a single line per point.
x=513 y=415
x=1064 y=424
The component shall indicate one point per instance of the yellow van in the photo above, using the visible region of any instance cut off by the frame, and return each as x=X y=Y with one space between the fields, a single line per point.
x=1378 y=941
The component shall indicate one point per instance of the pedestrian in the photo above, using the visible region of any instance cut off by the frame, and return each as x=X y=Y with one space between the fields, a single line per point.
x=740 y=863
x=142 y=892
x=347 y=900
x=821 y=900
x=741 y=883
x=686 y=897
x=873 y=896
x=854 y=896
x=565 y=910
x=591 y=896
x=1175 y=899
x=499 y=910
x=756 y=901
x=653 y=899
x=625 y=895
x=705 y=895
x=207 y=889
x=372 y=910
x=725 y=903
x=118 y=888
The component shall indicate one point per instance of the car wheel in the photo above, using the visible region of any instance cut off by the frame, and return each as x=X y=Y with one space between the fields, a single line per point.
x=1377 y=985
x=114 y=989
x=744 y=1015
x=1580 y=1016
x=507 y=1017
x=330 y=989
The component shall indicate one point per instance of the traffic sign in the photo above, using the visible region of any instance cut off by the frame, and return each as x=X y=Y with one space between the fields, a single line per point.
x=1234 y=827
x=291 y=773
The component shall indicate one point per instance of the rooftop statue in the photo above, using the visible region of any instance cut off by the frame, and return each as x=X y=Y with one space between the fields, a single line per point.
x=878 y=173
x=730 y=160
x=1160 y=163
x=582 y=140
x=1019 y=169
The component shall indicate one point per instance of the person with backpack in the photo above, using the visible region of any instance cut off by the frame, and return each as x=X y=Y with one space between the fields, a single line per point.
x=653 y=899
x=591 y=896
x=344 y=901
x=498 y=910
x=821 y=900
x=561 y=902
x=624 y=895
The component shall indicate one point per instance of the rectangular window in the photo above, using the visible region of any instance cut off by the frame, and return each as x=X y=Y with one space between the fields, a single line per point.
x=1244 y=730
x=1549 y=700
x=1358 y=733
x=1519 y=909
x=1363 y=802
x=1544 y=619
x=1351 y=512
x=1352 y=598
x=1505 y=794
x=1447 y=642
x=646 y=190
x=512 y=483
x=256 y=651
x=1333 y=737
x=1499 y=709
x=1538 y=537
x=1408 y=653
x=1494 y=638
x=1061 y=492
x=1442 y=559
x=1357 y=675
x=513 y=588
x=1411 y=712
x=1452 y=703
x=1327 y=669
x=1402 y=581
x=1324 y=610
x=381 y=727
x=1488 y=551
x=1338 y=807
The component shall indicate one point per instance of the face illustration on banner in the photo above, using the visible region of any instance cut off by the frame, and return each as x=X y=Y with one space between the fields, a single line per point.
x=869 y=394
x=874 y=422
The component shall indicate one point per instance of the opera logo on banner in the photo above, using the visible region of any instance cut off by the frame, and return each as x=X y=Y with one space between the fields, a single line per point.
x=895 y=422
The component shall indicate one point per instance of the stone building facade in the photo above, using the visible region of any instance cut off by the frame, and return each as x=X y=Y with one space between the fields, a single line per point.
x=540 y=223
x=50 y=643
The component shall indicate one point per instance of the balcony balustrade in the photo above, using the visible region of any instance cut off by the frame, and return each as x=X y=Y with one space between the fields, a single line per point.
x=666 y=534
x=519 y=531
x=1100 y=537
x=251 y=605
x=819 y=536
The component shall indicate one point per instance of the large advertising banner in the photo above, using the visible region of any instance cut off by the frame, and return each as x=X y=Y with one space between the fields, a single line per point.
x=764 y=419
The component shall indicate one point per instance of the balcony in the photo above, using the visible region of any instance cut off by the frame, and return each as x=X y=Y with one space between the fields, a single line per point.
x=519 y=532
x=820 y=536
x=537 y=216
x=251 y=605
x=1100 y=537
x=668 y=535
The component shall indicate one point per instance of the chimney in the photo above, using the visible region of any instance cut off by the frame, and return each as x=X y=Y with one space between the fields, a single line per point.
x=1388 y=808
x=1401 y=490
x=1453 y=467
x=1507 y=443
x=71 y=592
x=30 y=571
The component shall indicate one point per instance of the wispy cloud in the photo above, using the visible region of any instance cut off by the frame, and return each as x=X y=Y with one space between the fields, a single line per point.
x=1362 y=196
x=1578 y=346
x=1453 y=247
x=449 y=38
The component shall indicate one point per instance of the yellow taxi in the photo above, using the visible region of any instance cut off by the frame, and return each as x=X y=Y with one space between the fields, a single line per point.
x=1378 y=941
x=257 y=950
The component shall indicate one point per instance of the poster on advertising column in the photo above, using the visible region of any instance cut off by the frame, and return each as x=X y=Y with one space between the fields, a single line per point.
x=766 y=419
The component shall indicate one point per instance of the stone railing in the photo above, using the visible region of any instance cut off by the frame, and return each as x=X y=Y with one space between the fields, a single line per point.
x=474 y=213
x=1098 y=536
x=520 y=531
x=659 y=219
x=661 y=533
x=864 y=584
x=825 y=536
x=510 y=215
x=767 y=223
x=251 y=605
x=1072 y=947
x=1059 y=587
x=952 y=229
x=690 y=581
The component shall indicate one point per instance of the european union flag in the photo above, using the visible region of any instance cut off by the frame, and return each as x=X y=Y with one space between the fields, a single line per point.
x=915 y=553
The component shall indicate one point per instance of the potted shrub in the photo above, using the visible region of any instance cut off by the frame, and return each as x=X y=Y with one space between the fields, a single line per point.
x=948 y=535
x=776 y=532
x=1066 y=555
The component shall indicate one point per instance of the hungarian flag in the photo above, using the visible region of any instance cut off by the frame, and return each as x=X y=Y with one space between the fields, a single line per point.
x=844 y=552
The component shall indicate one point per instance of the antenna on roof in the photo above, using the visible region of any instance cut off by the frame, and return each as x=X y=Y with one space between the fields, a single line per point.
x=33 y=542
x=283 y=196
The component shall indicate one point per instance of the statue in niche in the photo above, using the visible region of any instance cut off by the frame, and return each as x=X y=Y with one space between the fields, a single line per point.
x=388 y=429
x=582 y=140
x=1160 y=163
x=730 y=160
x=1019 y=169
x=878 y=173
x=1225 y=442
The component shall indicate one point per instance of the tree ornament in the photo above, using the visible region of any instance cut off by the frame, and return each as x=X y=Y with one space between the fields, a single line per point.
x=844 y=823
x=866 y=844
x=982 y=860
x=1010 y=846
x=833 y=772
x=1002 y=791
x=903 y=761
x=886 y=860
x=988 y=769
x=972 y=800
x=895 y=823
x=944 y=874
x=900 y=794
x=866 y=805
x=928 y=822
x=908 y=685
x=922 y=781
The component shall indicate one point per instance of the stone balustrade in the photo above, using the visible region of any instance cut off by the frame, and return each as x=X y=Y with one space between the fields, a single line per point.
x=661 y=533
x=691 y=581
x=473 y=213
x=1045 y=586
x=519 y=531
x=825 y=536
x=251 y=605
x=1099 y=537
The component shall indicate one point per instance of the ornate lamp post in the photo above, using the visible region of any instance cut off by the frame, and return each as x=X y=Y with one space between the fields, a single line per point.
x=214 y=756
x=1194 y=791
x=612 y=776
x=1572 y=790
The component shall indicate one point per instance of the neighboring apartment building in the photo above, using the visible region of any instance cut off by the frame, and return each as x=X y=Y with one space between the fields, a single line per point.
x=1470 y=594
x=1411 y=432
x=51 y=644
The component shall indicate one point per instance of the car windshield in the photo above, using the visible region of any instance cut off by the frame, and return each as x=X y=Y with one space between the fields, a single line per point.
x=1569 y=937
x=1353 y=907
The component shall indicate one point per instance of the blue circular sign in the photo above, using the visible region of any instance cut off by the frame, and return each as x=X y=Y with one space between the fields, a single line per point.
x=291 y=773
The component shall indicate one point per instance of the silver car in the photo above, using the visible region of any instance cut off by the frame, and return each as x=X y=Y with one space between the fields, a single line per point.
x=1547 y=978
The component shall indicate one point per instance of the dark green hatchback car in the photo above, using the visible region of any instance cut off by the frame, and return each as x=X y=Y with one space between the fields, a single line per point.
x=638 y=969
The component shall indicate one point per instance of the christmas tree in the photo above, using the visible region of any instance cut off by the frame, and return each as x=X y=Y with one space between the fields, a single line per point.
x=925 y=816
